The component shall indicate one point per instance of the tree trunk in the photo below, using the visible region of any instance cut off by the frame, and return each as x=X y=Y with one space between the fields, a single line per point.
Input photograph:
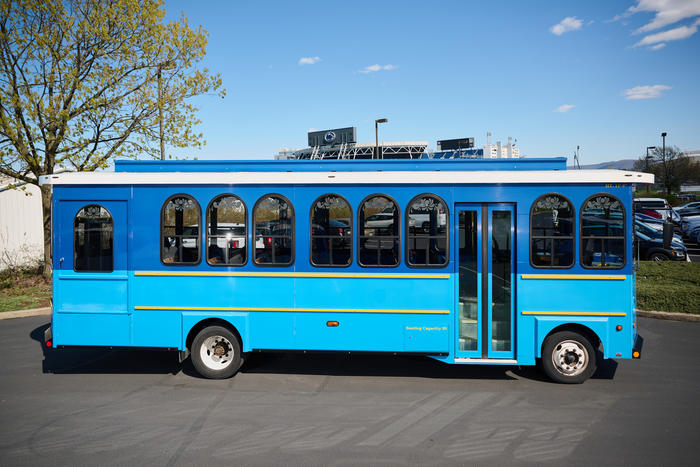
x=46 y=208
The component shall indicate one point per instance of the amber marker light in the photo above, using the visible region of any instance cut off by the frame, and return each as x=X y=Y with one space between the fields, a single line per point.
x=635 y=354
x=618 y=327
x=332 y=324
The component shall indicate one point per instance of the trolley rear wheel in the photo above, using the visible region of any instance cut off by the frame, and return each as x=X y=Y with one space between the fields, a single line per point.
x=216 y=353
x=568 y=357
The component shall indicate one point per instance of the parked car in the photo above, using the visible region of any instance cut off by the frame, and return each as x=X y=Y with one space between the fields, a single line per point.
x=649 y=245
x=688 y=223
x=658 y=227
x=690 y=205
x=658 y=205
x=648 y=219
x=689 y=211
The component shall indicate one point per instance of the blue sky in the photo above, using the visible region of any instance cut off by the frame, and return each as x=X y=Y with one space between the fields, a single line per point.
x=452 y=69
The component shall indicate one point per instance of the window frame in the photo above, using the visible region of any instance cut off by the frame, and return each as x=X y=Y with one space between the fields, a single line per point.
x=624 y=236
x=199 y=231
x=206 y=240
x=293 y=230
x=447 y=234
x=573 y=234
x=111 y=218
x=360 y=227
x=311 y=236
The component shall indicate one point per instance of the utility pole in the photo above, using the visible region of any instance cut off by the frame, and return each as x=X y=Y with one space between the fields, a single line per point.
x=166 y=65
x=376 y=135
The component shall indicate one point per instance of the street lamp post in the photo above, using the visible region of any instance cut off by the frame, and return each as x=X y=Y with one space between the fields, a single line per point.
x=376 y=135
x=166 y=65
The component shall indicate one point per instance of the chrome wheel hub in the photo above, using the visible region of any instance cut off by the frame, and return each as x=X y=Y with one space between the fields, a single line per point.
x=570 y=358
x=216 y=352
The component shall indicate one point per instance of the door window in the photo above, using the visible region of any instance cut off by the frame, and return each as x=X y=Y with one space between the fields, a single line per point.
x=93 y=240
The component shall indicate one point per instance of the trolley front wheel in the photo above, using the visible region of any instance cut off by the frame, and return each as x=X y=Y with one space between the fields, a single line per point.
x=568 y=357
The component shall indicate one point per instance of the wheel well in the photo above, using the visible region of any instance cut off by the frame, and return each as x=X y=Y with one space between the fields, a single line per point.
x=579 y=328
x=211 y=322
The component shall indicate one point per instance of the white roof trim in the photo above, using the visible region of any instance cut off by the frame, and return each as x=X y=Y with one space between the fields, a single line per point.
x=491 y=177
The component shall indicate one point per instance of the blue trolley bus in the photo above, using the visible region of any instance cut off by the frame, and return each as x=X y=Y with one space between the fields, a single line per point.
x=510 y=261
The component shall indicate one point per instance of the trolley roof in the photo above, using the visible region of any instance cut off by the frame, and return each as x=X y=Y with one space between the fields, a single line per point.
x=366 y=177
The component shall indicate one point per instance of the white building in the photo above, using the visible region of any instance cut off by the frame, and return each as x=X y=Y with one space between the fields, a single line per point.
x=21 y=229
x=499 y=151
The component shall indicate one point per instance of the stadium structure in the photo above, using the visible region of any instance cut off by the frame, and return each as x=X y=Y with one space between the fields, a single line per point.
x=341 y=143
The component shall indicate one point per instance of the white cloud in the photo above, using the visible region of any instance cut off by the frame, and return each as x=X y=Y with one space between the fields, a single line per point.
x=308 y=60
x=376 y=67
x=570 y=23
x=562 y=109
x=657 y=46
x=667 y=12
x=312 y=129
x=681 y=32
x=645 y=92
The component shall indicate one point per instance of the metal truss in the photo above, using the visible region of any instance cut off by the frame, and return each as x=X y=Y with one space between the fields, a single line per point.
x=408 y=150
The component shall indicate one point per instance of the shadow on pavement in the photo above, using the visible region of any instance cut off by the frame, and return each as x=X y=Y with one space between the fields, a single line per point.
x=105 y=360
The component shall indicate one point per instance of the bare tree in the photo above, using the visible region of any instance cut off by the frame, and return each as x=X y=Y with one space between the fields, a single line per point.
x=670 y=167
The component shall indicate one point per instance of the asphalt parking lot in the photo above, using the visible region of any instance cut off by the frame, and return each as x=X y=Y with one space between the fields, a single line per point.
x=88 y=407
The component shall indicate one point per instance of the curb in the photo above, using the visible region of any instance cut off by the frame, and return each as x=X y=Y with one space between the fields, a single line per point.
x=687 y=317
x=25 y=313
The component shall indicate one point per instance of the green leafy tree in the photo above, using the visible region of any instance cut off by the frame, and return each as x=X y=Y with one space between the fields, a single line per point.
x=80 y=82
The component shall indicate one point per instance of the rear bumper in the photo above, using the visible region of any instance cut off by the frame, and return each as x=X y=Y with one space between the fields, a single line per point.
x=48 y=337
x=637 y=348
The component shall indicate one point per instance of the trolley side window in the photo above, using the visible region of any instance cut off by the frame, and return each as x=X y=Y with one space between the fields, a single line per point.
x=227 y=231
x=378 y=235
x=331 y=232
x=273 y=217
x=93 y=240
x=427 y=227
x=180 y=231
x=552 y=232
x=602 y=232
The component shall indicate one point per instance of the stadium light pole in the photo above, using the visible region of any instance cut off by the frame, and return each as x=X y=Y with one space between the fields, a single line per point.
x=376 y=135
x=166 y=65
x=646 y=162
x=663 y=136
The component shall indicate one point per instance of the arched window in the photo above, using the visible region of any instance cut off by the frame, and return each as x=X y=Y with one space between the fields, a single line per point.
x=93 y=240
x=427 y=225
x=273 y=217
x=181 y=231
x=552 y=232
x=227 y=231
x=331 y=232
x=378 y=238
x=602 y=232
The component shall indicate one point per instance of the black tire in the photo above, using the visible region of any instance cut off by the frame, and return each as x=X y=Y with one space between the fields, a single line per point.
x=659 y=256
x=216 y=353
x=576 y=358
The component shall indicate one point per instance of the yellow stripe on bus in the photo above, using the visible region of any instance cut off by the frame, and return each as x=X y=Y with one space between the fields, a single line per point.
x=293 y=274
x=311 y=310
x=573 y=313
x=573 y=276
